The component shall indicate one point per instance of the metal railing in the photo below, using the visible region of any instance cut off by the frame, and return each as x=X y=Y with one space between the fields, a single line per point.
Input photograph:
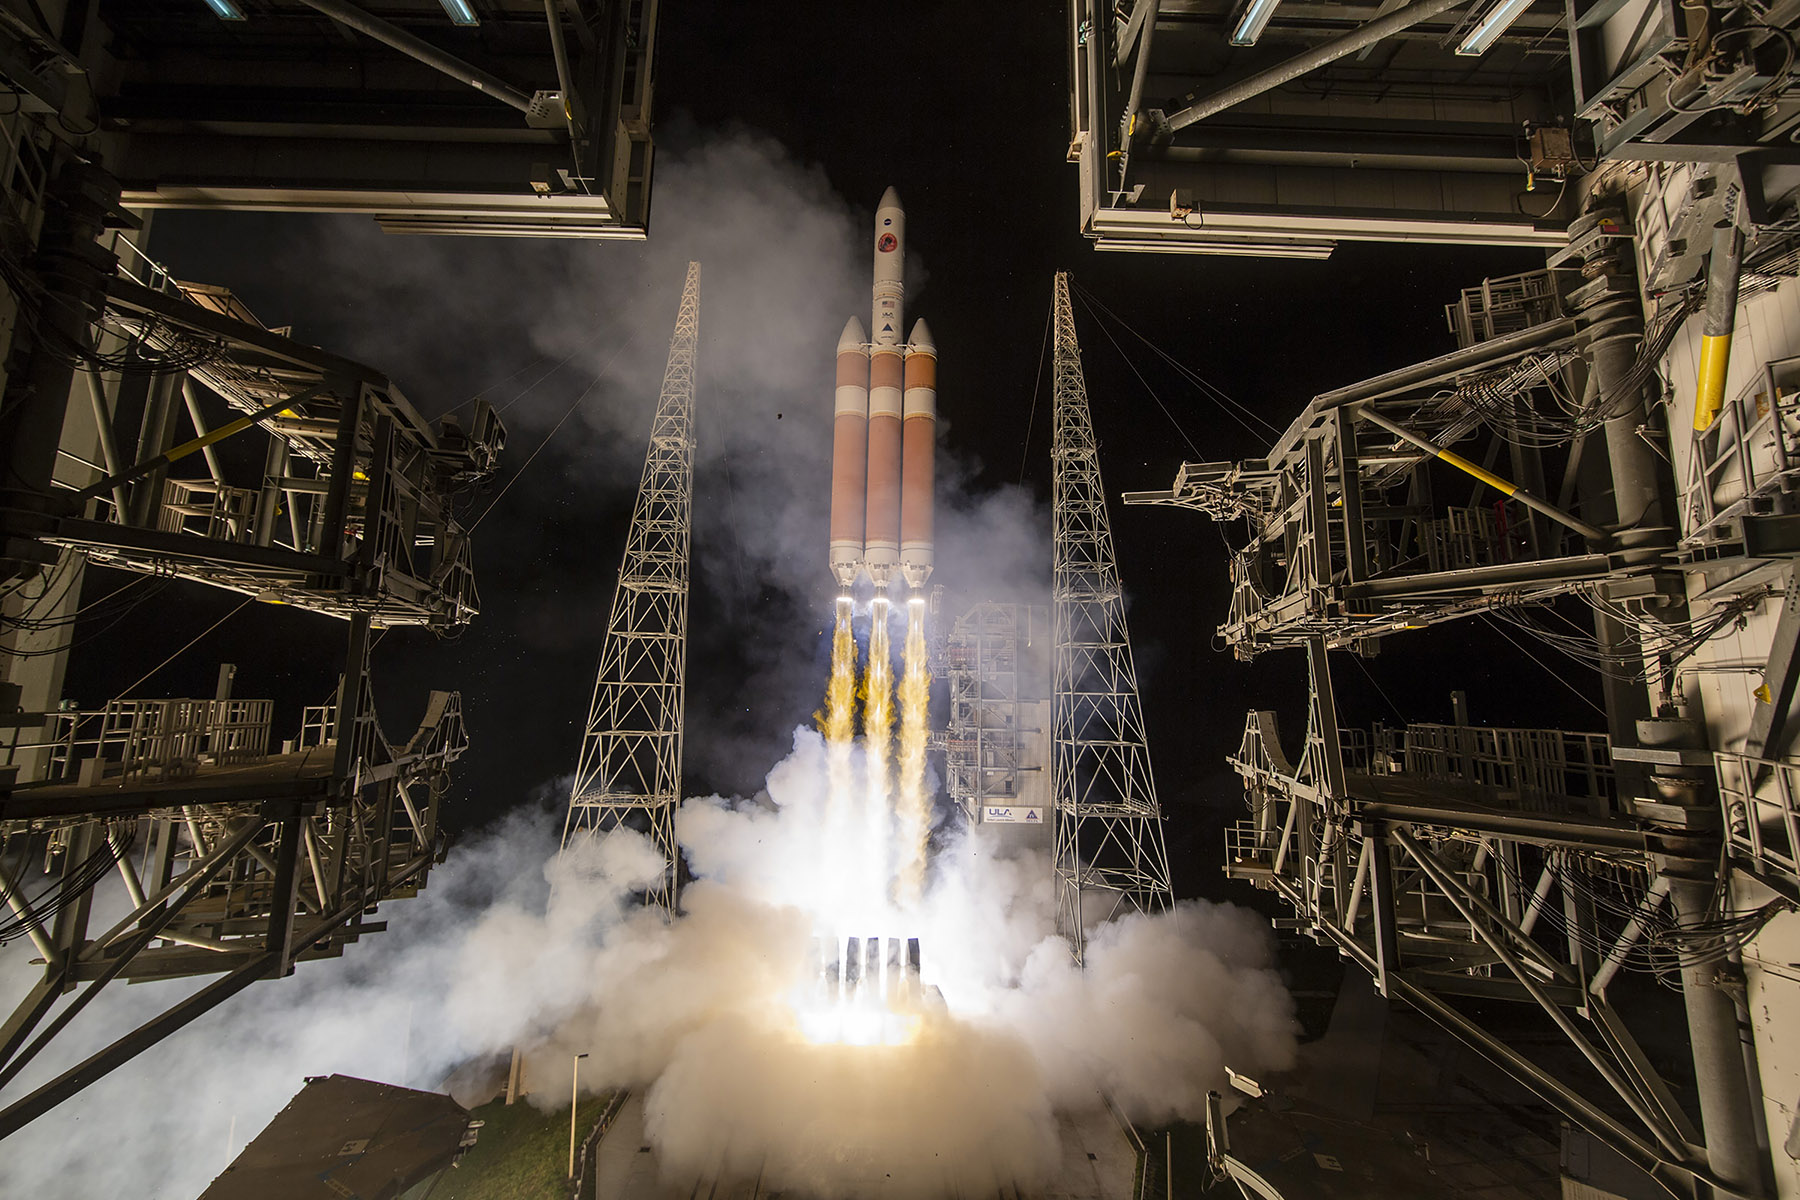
x=1762 y=822
x=1501 y=306
x=1748 y=460
x=318 y=725
x=203 y=508
x=163 y=739
x=1538 y=769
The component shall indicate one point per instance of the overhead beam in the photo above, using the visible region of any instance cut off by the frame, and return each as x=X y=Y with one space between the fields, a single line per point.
x=422 y=50
x=1309 y=61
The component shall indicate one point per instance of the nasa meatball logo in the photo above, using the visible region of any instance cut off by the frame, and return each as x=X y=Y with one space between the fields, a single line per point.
x=887 y=243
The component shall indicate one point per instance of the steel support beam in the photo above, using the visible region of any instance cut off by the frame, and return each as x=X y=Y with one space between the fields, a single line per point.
x=1503 y=486
x=418 y=48
x=1768 y=736
x=1311 y=60
x=1668 y=1137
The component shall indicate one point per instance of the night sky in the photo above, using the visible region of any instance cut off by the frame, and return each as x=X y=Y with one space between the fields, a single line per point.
x=964 y=109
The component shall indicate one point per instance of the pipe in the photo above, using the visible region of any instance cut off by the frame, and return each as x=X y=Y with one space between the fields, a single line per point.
x=1726 y=1114
x=200 y=443
x=134 y=887
x=565 y=81
x=15 y=900
x=1325 y=52
x=1630 y=936
x=1140 y=70
x=194 y=415
x=1721 y=317
x=1480 y=356
x=109 y=442
x=1504 y=487
x=422 y=50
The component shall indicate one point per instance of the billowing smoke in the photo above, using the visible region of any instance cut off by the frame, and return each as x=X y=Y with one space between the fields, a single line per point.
x=515 y=946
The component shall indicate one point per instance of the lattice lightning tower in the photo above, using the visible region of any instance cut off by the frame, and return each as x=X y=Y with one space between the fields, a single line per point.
x=630 y=770
x=1109 y=838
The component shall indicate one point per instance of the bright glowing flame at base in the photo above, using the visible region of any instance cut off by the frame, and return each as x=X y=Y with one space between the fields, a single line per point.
x=913 y=812
x=872 y=873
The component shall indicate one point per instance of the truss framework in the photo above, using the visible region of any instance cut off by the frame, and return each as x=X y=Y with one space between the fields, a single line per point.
x=1445 y=488
x=354 y=509
x=1109 y=836
x=630 y=766
x=239 y=873
x=1450 y=886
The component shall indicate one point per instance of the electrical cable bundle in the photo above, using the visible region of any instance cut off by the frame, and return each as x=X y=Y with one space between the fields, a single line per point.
x=1659 y=641
x=69 y=888
x=184 y=351
x=1501 y=400
x=109 y=608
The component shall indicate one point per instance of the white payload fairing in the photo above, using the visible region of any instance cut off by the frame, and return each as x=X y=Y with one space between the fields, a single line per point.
x=885 y=430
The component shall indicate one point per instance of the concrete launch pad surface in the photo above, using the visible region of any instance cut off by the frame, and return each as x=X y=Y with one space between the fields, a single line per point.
x=1097 y=1164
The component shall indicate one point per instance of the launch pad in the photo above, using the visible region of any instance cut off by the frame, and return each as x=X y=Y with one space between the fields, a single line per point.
x=1099 y=1162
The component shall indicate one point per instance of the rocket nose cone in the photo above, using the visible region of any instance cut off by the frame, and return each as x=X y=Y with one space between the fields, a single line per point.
x=852 y=338
x=889 y=199
x=921 y=338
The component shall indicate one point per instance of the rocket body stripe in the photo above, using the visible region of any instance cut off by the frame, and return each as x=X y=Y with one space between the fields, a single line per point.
x=919 y=448
x=887 y=378
x=849 y=455
x=881 y=539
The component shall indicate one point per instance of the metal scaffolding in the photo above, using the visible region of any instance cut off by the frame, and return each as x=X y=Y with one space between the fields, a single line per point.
x=1109 y=838
x=1450 y=883
x=239 y=864
x=994 y=736
x=630 y=770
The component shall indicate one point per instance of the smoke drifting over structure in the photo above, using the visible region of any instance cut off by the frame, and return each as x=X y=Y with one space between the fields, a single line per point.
x=514 y=945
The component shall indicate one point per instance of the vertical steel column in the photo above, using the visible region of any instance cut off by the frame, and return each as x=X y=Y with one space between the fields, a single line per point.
x=1643 y=496
x=72 y=268
x=275 y=465
x=1633 y=501
x=109 y=442
x=156 y=436
x=1356 y=539
x=343 y=471
x=1719 y=1076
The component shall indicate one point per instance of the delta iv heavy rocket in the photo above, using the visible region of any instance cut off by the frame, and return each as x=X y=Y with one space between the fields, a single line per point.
x=885 y=430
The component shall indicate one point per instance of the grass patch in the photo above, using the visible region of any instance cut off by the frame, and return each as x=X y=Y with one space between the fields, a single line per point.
x=521 y=1153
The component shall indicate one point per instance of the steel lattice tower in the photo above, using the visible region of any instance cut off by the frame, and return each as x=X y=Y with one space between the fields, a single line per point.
x=630 y=770
x=1109 y=837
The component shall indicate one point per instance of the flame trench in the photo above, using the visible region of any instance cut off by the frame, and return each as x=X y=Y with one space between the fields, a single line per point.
x=913 y=813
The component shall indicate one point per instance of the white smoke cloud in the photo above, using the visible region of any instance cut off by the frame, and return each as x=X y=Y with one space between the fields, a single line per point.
x=514 y=946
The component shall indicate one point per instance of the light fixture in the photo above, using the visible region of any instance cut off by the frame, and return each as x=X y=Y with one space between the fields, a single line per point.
x=1498 y=20
x=1250 y=26
x=225 y=10
x=459 y=12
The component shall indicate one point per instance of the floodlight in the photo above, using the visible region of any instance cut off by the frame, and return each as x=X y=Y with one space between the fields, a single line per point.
x=1250 y=26
x=1498 y=20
